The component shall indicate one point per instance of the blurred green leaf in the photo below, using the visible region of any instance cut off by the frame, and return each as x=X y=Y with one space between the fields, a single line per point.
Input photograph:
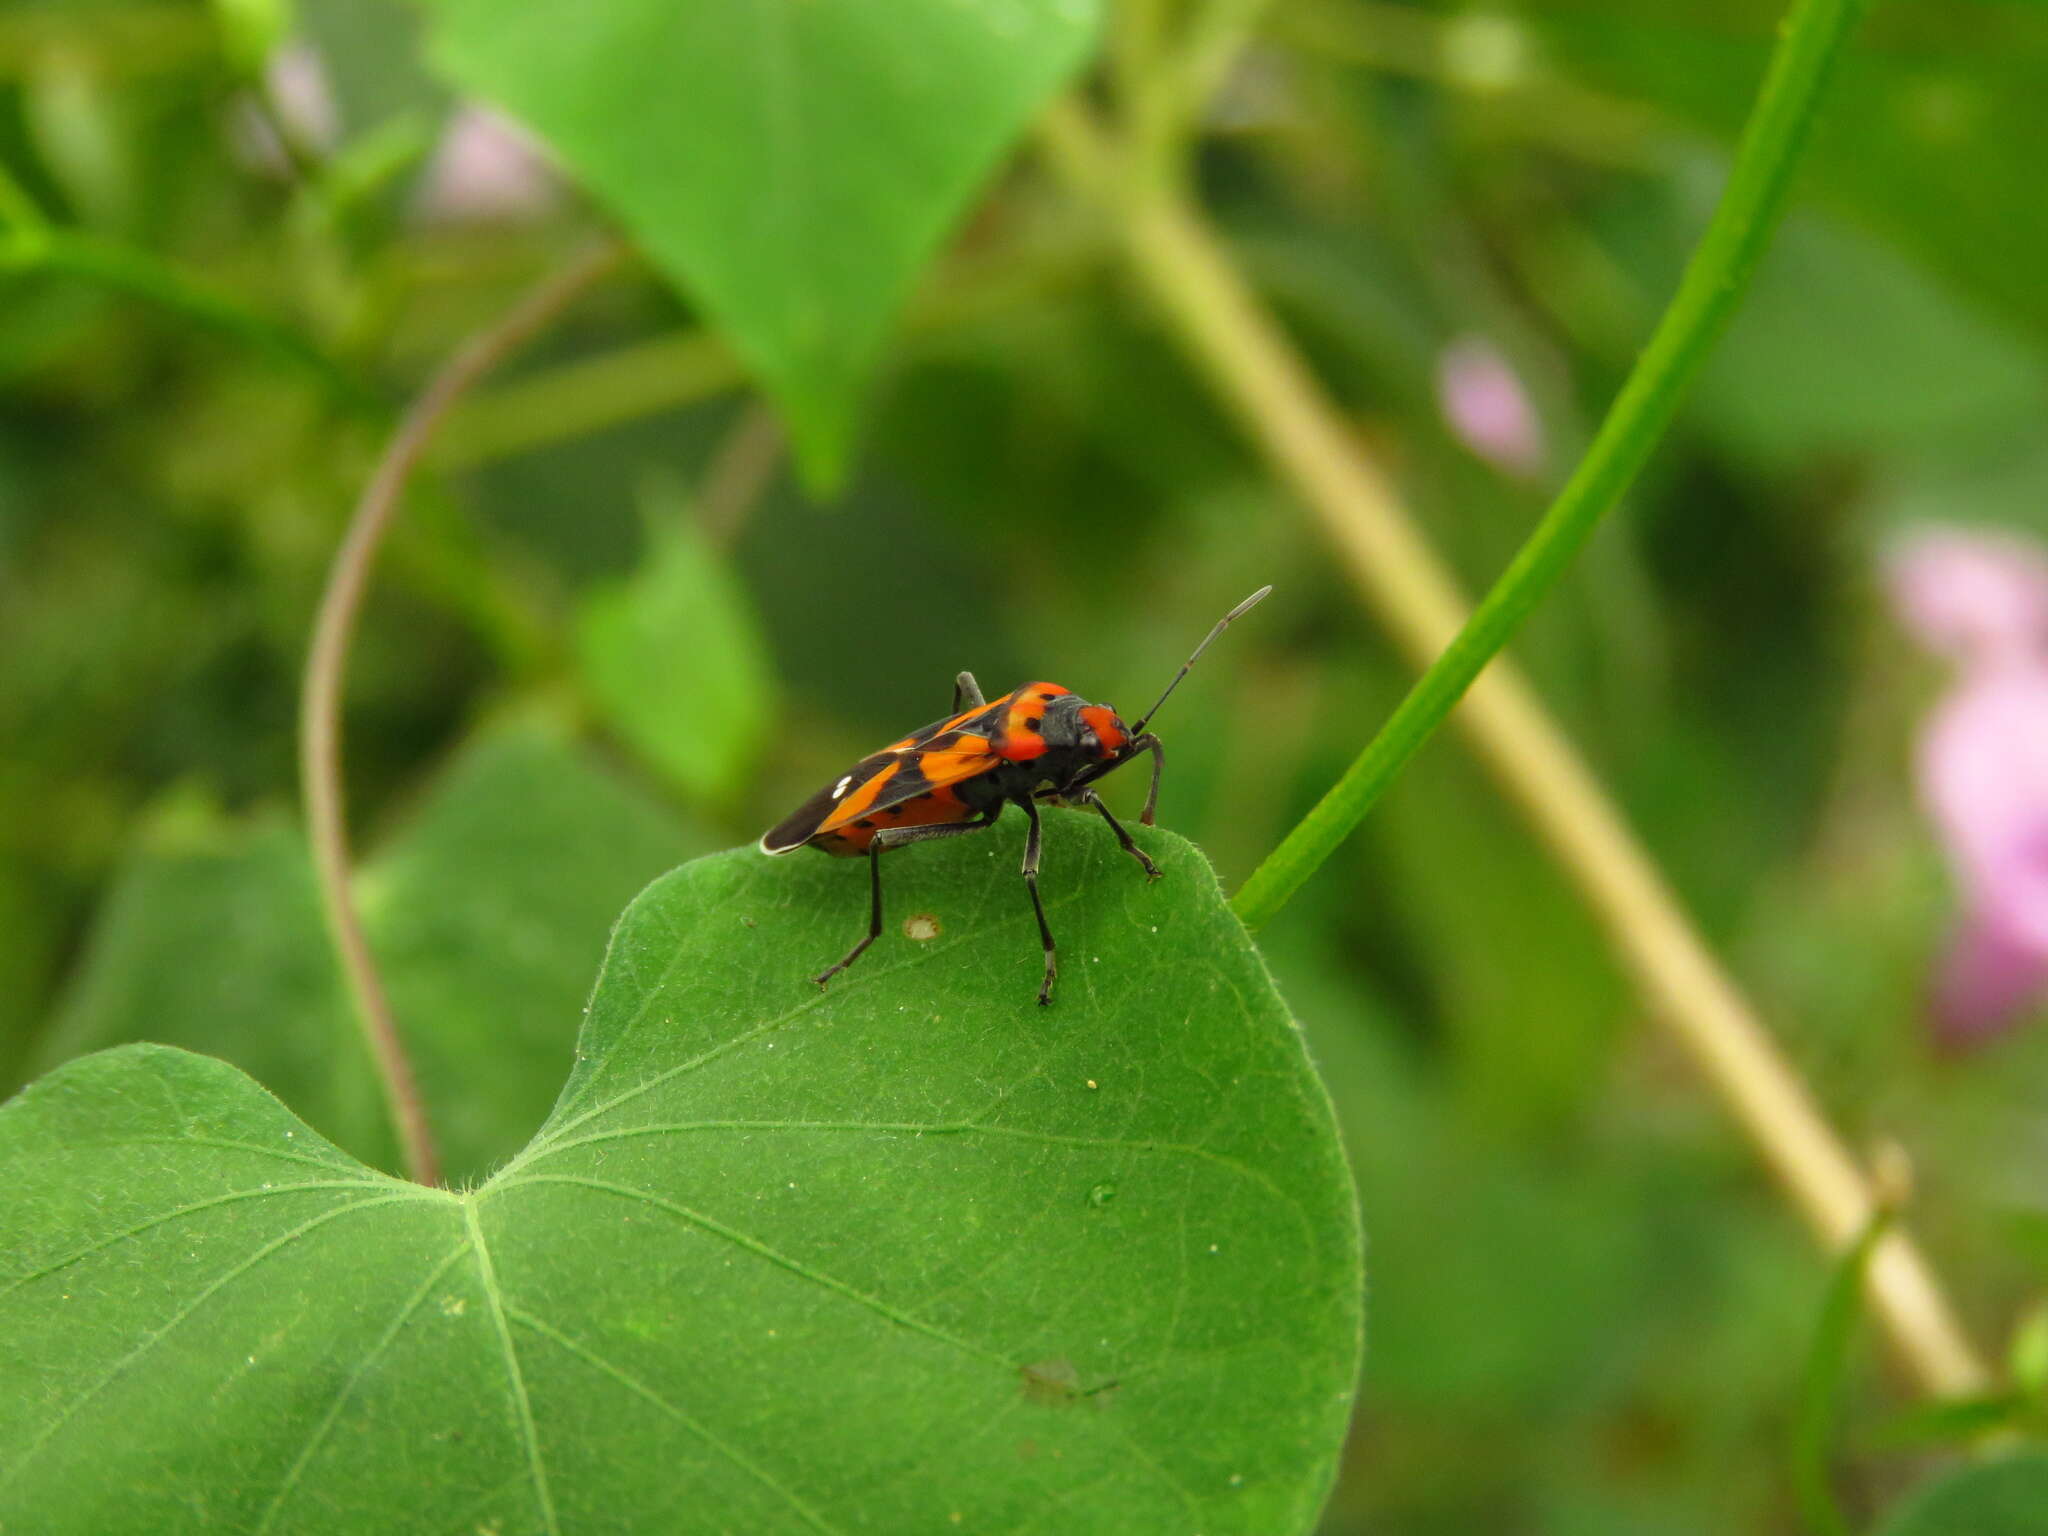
x=1932 y=138
x=84 y=139
x=1843 y=347
x=488 y=912
x=1527 y=991
x=2003 y=1498
x=913 y=1255
x=792 y=166
x=211 y=939
x=675 y=659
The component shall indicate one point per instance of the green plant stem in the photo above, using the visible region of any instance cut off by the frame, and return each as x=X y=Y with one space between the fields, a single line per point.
x=1713 y=284
x=1827 y=1369
x=1262 y=380
x=123 y=269
x=120 y=40
x=1215 y=35
x=571 y=400
x=555 y=404
x=742 y=469
x=32 y=244
x=1424 y=44
x=334 y=629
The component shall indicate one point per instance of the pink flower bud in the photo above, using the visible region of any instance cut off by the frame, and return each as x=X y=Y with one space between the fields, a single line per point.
x=1486 y=407
x=1975 y=596
x=485 y=170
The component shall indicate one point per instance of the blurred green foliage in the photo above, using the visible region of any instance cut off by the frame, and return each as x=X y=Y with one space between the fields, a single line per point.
x=1587 y=1310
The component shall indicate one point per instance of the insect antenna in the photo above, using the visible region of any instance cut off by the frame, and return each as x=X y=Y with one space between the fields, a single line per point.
x=1221 y=624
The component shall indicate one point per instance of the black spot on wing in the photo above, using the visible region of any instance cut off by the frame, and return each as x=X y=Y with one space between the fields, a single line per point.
x=908 y=784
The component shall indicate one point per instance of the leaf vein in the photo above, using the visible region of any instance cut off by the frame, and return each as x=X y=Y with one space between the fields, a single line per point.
x=761 y=1250
x=374 y=1181
x=172 y=1215
x=36 y=1445
x=632 y=1384
x=522 y=1404
x=915 y=1128
x=328 y=1419
x=545 y=1141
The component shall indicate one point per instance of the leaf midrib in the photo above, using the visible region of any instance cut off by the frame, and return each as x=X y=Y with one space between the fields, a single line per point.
x=522 y=1404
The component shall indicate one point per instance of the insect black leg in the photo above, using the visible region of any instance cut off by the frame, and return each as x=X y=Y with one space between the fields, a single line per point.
x=1089 y=797
x=887 y=838
x=1052 y=962
x=966 y=693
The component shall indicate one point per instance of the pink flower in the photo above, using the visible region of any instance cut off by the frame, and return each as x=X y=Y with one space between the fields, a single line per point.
x=1981 y=600
x=1972 y=595
x=1486 y=407
x=301 y=101
x=486 y=170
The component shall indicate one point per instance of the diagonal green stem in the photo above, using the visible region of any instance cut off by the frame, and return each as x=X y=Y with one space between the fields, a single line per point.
x=1827 y=1371
x=140 y=275
x=30 y=243
x=1714 y=282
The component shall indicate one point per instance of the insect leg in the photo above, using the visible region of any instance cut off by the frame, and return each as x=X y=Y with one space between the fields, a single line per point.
x=1052 y=962
x=883 y=841
x=966 y=693
x=1150 y=743
x=1089 y=797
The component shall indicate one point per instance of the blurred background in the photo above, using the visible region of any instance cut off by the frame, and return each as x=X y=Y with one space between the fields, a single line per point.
x=611 y=631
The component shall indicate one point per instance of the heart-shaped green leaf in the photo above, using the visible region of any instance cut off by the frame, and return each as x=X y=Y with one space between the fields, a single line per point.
x=791 y=163
x=908 y=1255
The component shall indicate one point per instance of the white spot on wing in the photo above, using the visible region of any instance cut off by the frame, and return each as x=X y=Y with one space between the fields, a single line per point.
x=840 y=788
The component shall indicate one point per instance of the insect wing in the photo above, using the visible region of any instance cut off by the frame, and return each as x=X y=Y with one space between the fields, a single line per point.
x=942 y=753
x=955 y=755
x=808 y=819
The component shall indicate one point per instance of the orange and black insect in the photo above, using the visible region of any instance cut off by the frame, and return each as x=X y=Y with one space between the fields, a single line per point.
x=1038 y=742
